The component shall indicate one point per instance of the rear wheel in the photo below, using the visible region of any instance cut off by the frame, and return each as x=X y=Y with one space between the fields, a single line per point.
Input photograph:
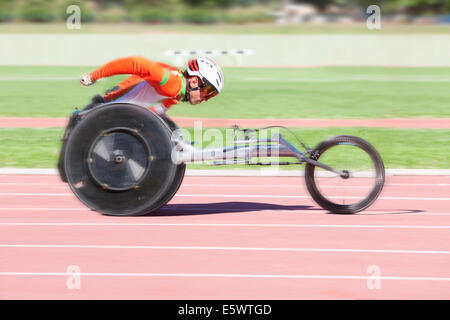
x=180 y=170
x=118 y=161
x=363 y=179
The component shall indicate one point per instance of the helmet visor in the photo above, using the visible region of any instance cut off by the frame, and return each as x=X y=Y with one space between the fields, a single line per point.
x=209 y=92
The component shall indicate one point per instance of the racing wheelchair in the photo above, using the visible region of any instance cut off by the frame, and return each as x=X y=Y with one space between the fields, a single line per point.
x=122 y=159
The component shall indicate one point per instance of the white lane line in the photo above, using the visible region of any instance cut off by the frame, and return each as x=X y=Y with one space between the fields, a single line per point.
x=31 y=184
x=257 y=225
x=46 y=209
x=233 y=196
x=356 y=78
x=163 y=209
x=299 y=185
x=432 y=213
x=38 y=79
x=35 y=194
x=231 y=210
x=176 y=207
x=222 y=248
x=223 y=275
x=301 y=197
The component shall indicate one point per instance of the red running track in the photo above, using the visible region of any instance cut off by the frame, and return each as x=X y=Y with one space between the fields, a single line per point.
x=226 y=238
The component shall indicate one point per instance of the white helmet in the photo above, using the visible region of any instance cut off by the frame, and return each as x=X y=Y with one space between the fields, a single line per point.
x=208 y=71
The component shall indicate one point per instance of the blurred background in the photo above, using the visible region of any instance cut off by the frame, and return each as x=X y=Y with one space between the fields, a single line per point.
x=326 y=59
x=226 y=11
x=237 y=32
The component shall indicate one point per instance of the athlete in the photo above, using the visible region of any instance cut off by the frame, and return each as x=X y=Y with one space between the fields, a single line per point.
x=157 y=85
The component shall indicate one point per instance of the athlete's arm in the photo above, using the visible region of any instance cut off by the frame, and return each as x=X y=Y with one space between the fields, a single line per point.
x=167 y=66
x=139 y=66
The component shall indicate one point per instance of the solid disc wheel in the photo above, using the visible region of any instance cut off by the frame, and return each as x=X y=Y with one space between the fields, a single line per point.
x=118 y=160
x=359 y=185
x=179 y=173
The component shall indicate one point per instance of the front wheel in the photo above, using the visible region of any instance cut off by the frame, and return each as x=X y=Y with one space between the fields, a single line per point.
x=358 y=188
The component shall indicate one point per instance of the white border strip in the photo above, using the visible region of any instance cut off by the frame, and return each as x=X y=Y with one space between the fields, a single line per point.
x=246 y=225
x=33 y=171
x=65 y=246
x=222 y=275
x=241 y=172
x=61 y=185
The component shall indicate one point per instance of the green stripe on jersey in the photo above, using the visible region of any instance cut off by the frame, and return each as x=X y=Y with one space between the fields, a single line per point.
x=165 y=78
x=183 y=86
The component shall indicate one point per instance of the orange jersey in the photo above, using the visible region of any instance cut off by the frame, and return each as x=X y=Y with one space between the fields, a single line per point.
x=151 y=84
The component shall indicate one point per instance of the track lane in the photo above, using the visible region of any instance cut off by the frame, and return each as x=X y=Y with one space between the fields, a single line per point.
x=238 y=236
x=213 y=273
x=207 y=288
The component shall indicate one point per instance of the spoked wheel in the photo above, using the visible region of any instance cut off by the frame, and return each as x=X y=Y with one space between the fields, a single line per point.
x=359 y=185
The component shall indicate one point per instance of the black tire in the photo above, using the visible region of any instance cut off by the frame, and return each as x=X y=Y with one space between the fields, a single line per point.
x=61 y=168
x=179 y=174
x=73 y=119
x=312 y=179
x=176 y=184
x=102 y=148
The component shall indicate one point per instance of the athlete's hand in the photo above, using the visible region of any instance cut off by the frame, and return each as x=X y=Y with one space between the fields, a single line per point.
x=86 y=80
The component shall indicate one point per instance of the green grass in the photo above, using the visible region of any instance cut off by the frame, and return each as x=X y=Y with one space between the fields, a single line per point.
x=252 y=28
x=399 y=148
x=326 y=92
x=29 y=148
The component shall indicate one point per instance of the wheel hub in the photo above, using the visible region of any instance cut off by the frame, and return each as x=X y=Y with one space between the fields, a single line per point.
x=118 y=159
x=345 y=174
